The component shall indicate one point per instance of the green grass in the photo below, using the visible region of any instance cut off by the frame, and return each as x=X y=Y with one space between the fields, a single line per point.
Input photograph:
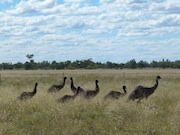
x=42 y=115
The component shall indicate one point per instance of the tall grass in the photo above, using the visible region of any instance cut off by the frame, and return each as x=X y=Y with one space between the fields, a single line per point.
x=42 y=115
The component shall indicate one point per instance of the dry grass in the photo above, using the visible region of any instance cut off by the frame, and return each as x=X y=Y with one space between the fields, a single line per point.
x=42 y=115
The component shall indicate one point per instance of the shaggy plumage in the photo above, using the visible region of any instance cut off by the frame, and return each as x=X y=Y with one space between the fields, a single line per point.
x=57 y=87
x=66 y=98
x=28 y=95
x=141 y=92
x=116 y=94
x=92 y=93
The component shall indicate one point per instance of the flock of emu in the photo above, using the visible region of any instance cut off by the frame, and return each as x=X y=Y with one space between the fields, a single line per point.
x=139 y=92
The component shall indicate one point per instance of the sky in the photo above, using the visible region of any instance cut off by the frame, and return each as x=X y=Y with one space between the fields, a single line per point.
x=103 y=30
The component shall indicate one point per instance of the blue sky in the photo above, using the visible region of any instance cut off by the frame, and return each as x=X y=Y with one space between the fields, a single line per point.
x=104 y=30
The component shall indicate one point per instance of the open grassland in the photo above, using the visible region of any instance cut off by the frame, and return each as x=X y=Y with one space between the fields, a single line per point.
x=42 y=115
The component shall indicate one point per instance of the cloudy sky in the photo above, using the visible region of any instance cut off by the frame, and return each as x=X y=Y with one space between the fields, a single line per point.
x=104 y=30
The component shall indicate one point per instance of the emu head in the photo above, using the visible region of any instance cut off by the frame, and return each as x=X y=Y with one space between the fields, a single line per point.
x=158 y=77
x=97 y=81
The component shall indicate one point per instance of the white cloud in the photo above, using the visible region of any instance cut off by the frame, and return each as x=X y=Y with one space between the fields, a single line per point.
x=168 y=6
x=170 y=20
x=32 y=6
x=111 y=30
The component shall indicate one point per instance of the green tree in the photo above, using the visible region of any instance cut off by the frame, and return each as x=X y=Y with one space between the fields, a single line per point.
x=142 y=64
x=154 y=64
x=18 y=65
x=131 y=64
x=27 y=66
x=30 y=57
x=7 y=66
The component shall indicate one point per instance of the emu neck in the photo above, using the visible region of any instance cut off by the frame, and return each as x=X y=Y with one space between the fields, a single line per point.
x=72 y=84
x=125 y=91
x=35 y=89
x=64 y=81
x=155 y=85
x=97 y=87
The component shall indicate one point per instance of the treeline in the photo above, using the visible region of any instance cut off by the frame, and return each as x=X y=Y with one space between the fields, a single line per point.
x=89 y=64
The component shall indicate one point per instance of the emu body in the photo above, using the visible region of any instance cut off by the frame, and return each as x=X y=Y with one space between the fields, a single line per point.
x=141 y=92
x=92 y=93
x=57 y=87
x=66 y=98
x=116 y=94
x=28 y=95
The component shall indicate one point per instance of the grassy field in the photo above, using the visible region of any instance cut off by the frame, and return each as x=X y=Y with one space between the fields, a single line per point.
x=42 y=115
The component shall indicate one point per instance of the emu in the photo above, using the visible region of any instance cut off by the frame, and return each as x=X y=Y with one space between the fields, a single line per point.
x=66 y=98
x=116 y=94
x=92 y=93
x=141 y=92
x=57 y=87
x=73 y=88
x=28 y=95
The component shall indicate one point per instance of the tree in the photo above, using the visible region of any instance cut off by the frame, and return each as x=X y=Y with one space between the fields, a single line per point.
x=27 y=66
x=176 y=64
x=142 y=64
x=131 y=64
x=88 y=64
x=154 y=64
x=7 y=66
x=18 y=65
x=30 y=57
